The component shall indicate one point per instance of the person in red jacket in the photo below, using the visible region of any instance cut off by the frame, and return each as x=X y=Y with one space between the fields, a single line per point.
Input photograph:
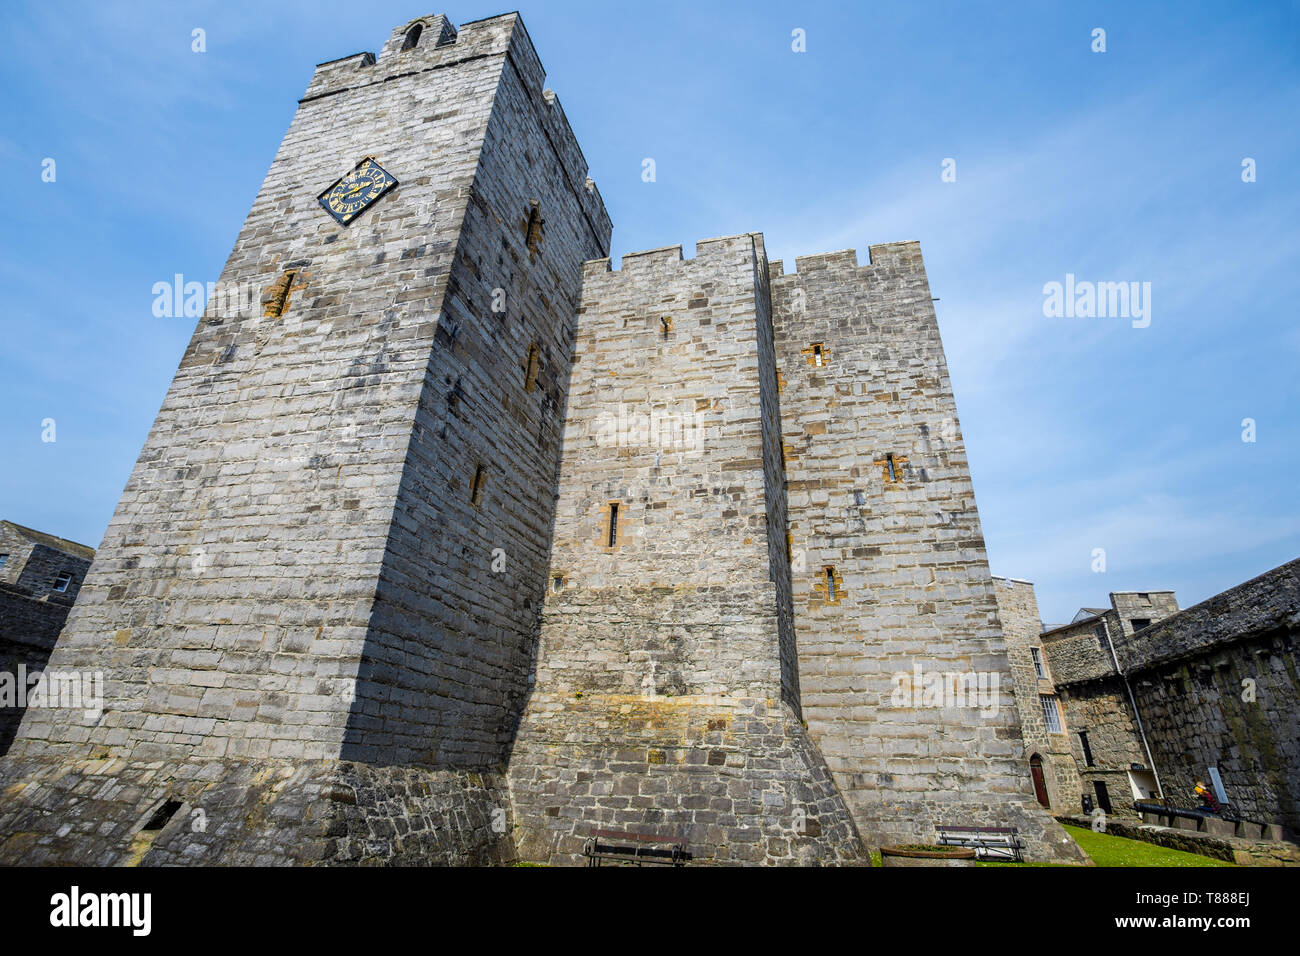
x=1207 y=799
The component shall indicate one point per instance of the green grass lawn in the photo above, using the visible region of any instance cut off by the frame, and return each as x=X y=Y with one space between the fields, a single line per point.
x=1107 y=850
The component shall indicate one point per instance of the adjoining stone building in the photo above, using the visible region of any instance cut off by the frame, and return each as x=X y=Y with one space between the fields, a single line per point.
x=1154 y=700
x=1219 y=693
x=1105 y=733
x=688 y=637
x=40 y=577
x=1050 y=759
x=399 y=576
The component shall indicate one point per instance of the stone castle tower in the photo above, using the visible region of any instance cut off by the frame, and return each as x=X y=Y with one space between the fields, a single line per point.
x=460 y=544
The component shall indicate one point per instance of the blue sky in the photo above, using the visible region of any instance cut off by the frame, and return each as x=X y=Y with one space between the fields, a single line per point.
x=1123 y=165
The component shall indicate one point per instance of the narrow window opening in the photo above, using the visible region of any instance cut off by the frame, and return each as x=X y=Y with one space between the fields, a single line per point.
x=1144 y=598
x=818 y=355
x=667 y=323
x=1051 y=715
x=557 y=583
x=533 y=229
x=534 y=366
x=1039 y=669
x=612 y=537
x=830 y=584
x=1087 y=750
x=476 y=487
x=412 y=37
x=278 y=300
x=162 y=815
x=1140 y=622
x=62 y=582
x=891 y=468
x=1100 y=632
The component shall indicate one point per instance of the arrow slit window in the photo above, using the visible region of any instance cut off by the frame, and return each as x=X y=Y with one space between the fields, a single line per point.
x=532 y=368
x=477 y=485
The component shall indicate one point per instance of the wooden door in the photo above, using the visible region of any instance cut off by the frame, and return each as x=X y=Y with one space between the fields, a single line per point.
x=1040 y=783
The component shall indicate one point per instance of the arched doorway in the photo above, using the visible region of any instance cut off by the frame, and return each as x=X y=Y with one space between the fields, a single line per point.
x=1040 y=783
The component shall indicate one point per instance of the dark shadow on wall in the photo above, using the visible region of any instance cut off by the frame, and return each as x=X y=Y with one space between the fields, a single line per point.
x=448 y=656
x=29 y=629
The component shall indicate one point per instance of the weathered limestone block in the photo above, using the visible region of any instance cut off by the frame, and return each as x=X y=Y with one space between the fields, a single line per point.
x=116 y=812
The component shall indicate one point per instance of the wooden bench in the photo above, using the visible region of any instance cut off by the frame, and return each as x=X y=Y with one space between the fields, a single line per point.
x=989 y=843
x=634 y=849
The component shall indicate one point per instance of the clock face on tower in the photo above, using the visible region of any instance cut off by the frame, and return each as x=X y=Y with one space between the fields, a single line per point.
x=349 y=197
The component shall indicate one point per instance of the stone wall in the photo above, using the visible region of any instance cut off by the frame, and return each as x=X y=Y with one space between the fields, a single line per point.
x=32 y=611
x=1094 y=701
x=98 y=811
x=28 y=629
x=1132 y=607
x=296 y=573
x=1217 y=686
x=1018 y=611
x=35 y=561
x=448 y=654
x=663 y=700
x=1080 y=651
x=890 y=567
x=1101 y=709
x=16 y=547
x=1262 y=605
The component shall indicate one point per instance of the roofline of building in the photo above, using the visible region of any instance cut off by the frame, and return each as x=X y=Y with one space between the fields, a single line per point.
x=1062 y=627
x=73 y=548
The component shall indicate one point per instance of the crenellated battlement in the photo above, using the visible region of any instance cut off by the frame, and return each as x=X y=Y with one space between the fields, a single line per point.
x=432 y=43
x=842 y=261
x=419 y=38
x=882 y=258
x=649 y=260
x=425 y=43
x=573 y=161
x=744 y=247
